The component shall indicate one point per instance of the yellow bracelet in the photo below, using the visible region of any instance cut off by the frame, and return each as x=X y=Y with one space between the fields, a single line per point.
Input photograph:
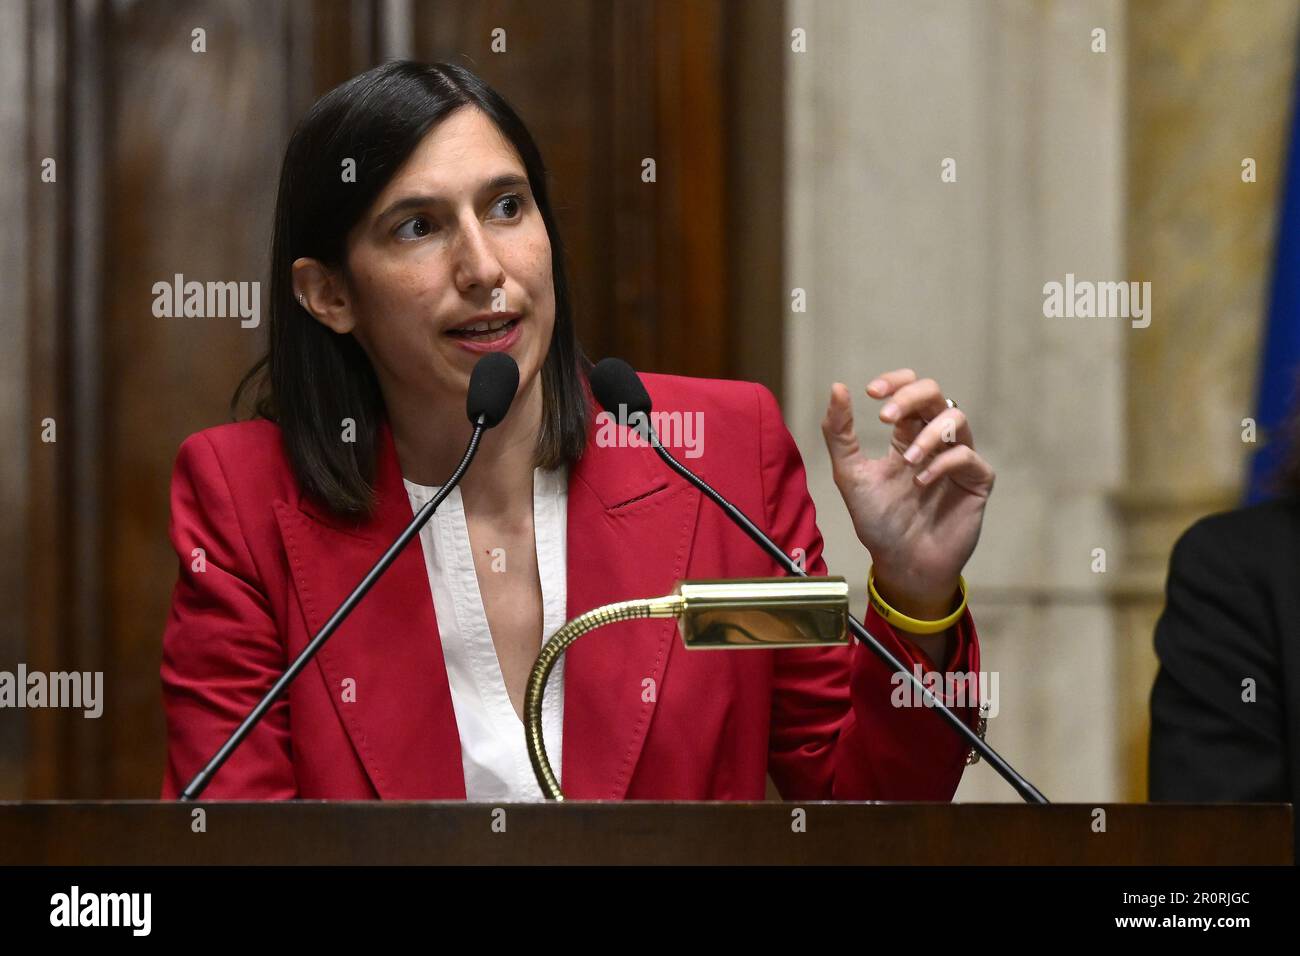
x=910 y=624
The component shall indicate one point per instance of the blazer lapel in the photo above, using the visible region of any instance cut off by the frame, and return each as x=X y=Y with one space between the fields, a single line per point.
x=401 y=721
x=630 y=527
x=631 y=522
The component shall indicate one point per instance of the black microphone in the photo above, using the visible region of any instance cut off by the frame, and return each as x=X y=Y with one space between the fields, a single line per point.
x=621 y=392
x=492 y=387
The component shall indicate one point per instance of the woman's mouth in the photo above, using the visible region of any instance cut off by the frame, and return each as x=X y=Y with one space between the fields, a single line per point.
x=485 y=331
x=489 y=336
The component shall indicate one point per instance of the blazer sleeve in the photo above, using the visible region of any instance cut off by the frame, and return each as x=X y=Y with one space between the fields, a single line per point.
x=221 y=650
x=841 y=728
x=1209 y=741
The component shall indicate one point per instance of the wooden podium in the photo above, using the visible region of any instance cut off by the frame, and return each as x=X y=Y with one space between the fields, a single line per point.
x=323 y=832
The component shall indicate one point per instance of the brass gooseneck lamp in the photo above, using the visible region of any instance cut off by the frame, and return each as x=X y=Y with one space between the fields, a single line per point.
x=711 y=614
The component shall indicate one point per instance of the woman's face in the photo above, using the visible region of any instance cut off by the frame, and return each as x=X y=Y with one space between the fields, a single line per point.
x=454 y=239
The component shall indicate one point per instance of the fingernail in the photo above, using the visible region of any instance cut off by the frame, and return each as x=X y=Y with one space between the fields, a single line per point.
x=890 y=410
x=923 y=476
x=876 y=384
x=912 y=455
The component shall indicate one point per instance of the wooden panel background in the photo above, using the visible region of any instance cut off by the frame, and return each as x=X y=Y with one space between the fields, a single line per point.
x=168 y=161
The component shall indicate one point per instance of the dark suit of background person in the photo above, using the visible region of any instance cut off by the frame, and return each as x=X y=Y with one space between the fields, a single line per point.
x=1232 y=612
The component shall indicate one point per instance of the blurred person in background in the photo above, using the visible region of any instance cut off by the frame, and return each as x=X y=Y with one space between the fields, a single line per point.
x=1225 y=706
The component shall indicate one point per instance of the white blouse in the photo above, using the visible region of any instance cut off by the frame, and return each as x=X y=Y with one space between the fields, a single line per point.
x=493 y=754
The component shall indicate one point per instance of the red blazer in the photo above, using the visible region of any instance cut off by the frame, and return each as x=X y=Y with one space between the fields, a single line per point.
x=278 y=564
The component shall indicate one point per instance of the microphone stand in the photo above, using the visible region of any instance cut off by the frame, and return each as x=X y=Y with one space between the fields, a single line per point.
x=1022 y=786
x=204 y=776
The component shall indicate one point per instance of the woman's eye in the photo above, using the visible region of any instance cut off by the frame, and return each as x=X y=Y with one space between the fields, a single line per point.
x=416 y=227
x=514 y=200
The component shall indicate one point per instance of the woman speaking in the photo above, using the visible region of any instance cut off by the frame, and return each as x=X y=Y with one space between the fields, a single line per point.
x=412 y=235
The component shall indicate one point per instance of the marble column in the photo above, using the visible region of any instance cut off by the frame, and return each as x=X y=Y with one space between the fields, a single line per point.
x=904 y=269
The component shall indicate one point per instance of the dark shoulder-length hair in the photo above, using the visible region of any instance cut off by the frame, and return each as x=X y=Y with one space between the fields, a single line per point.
x=312 y=378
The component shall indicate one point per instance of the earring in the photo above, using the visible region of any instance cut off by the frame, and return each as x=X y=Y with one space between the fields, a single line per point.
x=302 y=298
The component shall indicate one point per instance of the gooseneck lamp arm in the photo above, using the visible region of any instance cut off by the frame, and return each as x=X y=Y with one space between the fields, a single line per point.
x=550 y=655
x=717 y=614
